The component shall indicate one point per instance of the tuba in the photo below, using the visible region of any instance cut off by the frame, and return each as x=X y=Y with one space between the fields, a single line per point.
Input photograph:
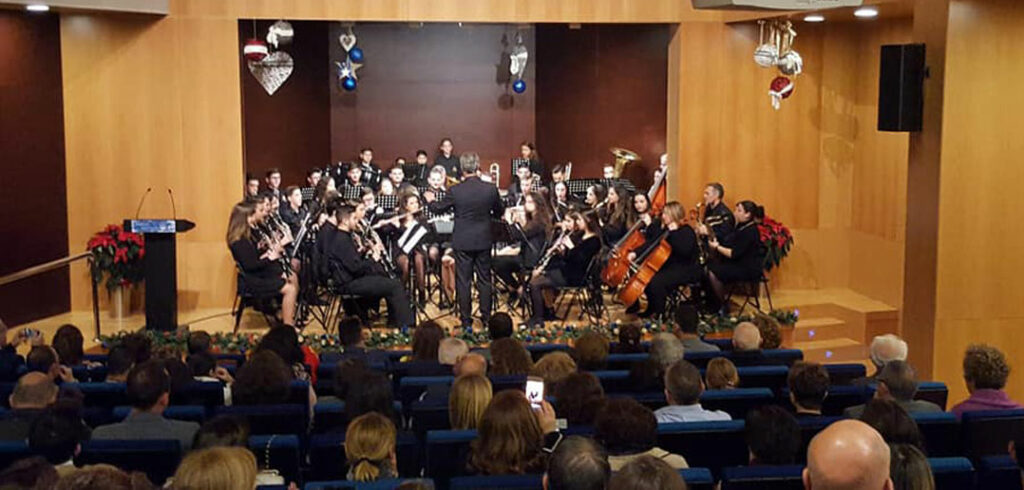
x=622 y=158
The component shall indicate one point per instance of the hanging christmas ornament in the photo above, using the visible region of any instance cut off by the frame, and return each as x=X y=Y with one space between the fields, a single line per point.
x=791 y=64
x=255 y=50
x=273 y=70
x=280 y=34
x=347 y=69
x=519 y=86
x=781 y=88
x=347 y=40
x=356 y=54
x=767 y=52
x=349 y=84
x=518 y=58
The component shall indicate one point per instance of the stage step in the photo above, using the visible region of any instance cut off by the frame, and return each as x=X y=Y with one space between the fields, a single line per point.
x=832 y=350
x=822 y=328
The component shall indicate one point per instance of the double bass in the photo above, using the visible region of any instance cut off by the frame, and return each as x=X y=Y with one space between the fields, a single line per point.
x=618 y=258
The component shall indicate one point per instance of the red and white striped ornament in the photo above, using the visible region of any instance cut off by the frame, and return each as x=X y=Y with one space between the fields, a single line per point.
x=255 y=50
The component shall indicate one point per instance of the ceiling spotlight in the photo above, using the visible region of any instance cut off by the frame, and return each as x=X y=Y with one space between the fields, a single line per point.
x=866 y=12
x=37 y=7
x=814 y=18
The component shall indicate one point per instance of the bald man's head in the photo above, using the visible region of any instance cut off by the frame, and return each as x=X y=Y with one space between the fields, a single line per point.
x=34 y=390
x=471 y=364
x=847 y=455
x=746 y=336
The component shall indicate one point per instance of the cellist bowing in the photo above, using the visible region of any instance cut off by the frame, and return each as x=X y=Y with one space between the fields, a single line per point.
x=680 y=268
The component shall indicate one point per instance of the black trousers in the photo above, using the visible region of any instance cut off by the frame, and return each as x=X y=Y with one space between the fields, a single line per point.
x=506 y=267
x=665 y=281
x=466 y=263
x=551 y=279
x=376 y=287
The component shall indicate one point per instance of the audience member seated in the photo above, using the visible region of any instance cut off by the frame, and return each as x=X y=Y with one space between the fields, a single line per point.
x=370 y=448
x=590 y=351
x=808 y=385
x=721 y=374
x=450 y=350
x=512 y=437
x=29 y=473
x=222 y=431
x=773 y=436
x=500 y=326
x=345 y=371
x=204 y=369
x=140 y=346
x=909 y=468
x=57 y=435
x=370 y=392
x=470 y=395
x=629 y=430
x=553 y=368
x=579 y=463
x=985 y=372
x=687 y=322
x=283 y=341
x=847 y=455
x=353 y=343
x=120 y=360
x=630 y=338
x=104 y=477
x=68 y=342
x=33 y=394
x=746 y=340
x=768 y=327
x=472 y=363
x=263 y=380
x=426 y=341
x=897 y=381
x=647 y=473
x=149 y=391
x=43 y=359
x=649 y=375
x=578 y=398
x=893 y=423
x=884 y=348
x=217 y=468
x=10 y=360
x=683 y=387
x=509 y=357
x=199 y=342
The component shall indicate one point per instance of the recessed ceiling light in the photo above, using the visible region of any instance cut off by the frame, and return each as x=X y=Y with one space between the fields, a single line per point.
x=37 y=7
x=814 y=18
x=866 y=12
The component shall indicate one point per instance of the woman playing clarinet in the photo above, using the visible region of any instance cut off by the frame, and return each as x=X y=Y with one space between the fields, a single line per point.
x=533 y=230
x=567 y=262
x=258 y=257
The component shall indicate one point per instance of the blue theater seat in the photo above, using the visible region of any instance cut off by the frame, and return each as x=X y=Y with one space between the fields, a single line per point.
x=844 y=374
x=421 y=368
x=987 y=433
x=447 y=451
x=89 y=374
x=427 y=416
x=5 y=393
x=330 y=417
x=736 y=402
x=998 y=472
x=278 y=452
x=782 y=356
x=108 y=395
x=538 y=350
x=156 y=458
x=933 y=391
x=723 y=344
x=188 y=413
x=97 y=416
x=100 y=358
x=701 y=359
x=326 y=370
x=327 y=456
x=508 y=382
x=810 y=427
x=698 y=478
x=771 y=377
x=842 y=397
x=784 y=477
x=705 y=444
x=270 y=419
x=411 y=387
x=650 y=399
x=952 y=473
x=209 y=394
x=225 y=359
x=346 y=485
x=614 y=381
x=11 y=451
x=626 y=361
x=507 y=482
x=941 y=433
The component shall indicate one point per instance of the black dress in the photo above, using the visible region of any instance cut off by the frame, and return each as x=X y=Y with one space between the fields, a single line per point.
x=262 y=277
x=747 y=261
x=679 y=269
x=450 y=164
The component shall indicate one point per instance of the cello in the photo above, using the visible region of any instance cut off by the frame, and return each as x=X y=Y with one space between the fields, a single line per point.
x=649 y=265
x=618 y=258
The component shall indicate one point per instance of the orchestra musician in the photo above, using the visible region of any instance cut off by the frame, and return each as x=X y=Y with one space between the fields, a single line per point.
x=741 y=254
x=595 y=200
x=259 y=258
x=353 y=176
x=437 y=180
x=252 y=186
x=356 y=274
x=523 y=185
x=406 y=225
x=561 y=201
x=528 y=152
x=682 y=265
x=475 y=203
x=371 y=174
x=396 y=174
x=387 y=188
x=422 y=167
x=446 y=158
x=619 y=214
x=570 y=258
x=313 y=177
x=293 y=210
x=534 y=222
x=718 y=220
x=273 y=182
x=325 y=186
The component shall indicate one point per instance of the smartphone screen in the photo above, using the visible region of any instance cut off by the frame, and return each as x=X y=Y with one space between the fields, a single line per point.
x=535 y=391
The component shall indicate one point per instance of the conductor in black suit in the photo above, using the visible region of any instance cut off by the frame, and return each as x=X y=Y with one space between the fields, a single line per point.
x=476 y=203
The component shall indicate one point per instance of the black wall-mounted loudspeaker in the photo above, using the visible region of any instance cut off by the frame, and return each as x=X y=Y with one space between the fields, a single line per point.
x=901 y=87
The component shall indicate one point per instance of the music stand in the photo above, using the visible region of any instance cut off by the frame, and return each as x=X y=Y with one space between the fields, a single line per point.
x=307 y=193
x=350 y=193
x=387 y=203
x=160 y=268
x=608 y=183
x=578 y=187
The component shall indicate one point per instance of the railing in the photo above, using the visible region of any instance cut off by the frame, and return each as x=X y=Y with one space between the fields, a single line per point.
x=57 y=264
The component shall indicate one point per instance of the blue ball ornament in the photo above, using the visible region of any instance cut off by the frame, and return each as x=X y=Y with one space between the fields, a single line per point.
x=519 y=86
x=356 y=55
x=348 y=83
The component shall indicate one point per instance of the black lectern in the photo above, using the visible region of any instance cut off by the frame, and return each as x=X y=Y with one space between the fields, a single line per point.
x=161 y=271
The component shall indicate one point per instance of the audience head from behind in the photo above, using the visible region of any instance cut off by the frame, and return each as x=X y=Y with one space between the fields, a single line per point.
x=426 y=341
x=553 y=368
x=666 y=350
x=222 y=431
x=467 y=401
x=773 y=436
x=578 y=398
x=909 y=468
x=630 y=337
x=509 y=357
x=199 y=342
x=217 y=468
x=628 y=429
x=263 y=380
x=499 y=326
x=68 y=342
x=29 y=473
x=450 y=350
x=591 y=351
x=808 y=385
x=893 y=422
x=721 y=374
x=687 y=320
x=885 y=348
x=350 y=330
x=509 y=439
x=202 y=364
x=647 y=473
x=985 y=373
x=578 y=463
x=42 y=359
x=149 y=387
x=370 y=448
x=471 y=363
x=683 y=389
x=57 y=436
x=370 y=391
x=746 y=337
x=140 y=346
x=120 y=360
x=34 y=391
x=104 y=477
x=771 y=336
x=847 y=455
x=897 y=381
x=345 y=373
x=283 y=341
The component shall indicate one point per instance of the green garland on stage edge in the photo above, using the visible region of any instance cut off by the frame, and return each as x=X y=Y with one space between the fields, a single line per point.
x=398 y=339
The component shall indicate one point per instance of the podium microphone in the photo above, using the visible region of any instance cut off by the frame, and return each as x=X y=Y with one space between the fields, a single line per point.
x=174 y=210
x=139 y=209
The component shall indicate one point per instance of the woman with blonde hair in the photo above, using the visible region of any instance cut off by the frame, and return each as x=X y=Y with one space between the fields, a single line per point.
x=680 y=268
x=370 y=448
x=467 y=401
x=217 y=468
x=554 y=367
x=259 y=258
x=721 y=374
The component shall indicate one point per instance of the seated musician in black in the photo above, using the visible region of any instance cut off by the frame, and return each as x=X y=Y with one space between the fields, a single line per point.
x=371 y=173
x=620 y=215
x=718 y=219
x=259 y=259
x=568 y=266
x=292 y=212
x=528 y=152
x=409 y=233
x=741 y=253
x=353 y=176
x=680 y=268
x=355 y=274
x=651 y=227
x=533 y=226
x=447 y=159
x=522 y=186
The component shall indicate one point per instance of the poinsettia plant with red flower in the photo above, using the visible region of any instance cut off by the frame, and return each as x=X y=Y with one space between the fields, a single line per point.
x=777 y=241
x=117 y=254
